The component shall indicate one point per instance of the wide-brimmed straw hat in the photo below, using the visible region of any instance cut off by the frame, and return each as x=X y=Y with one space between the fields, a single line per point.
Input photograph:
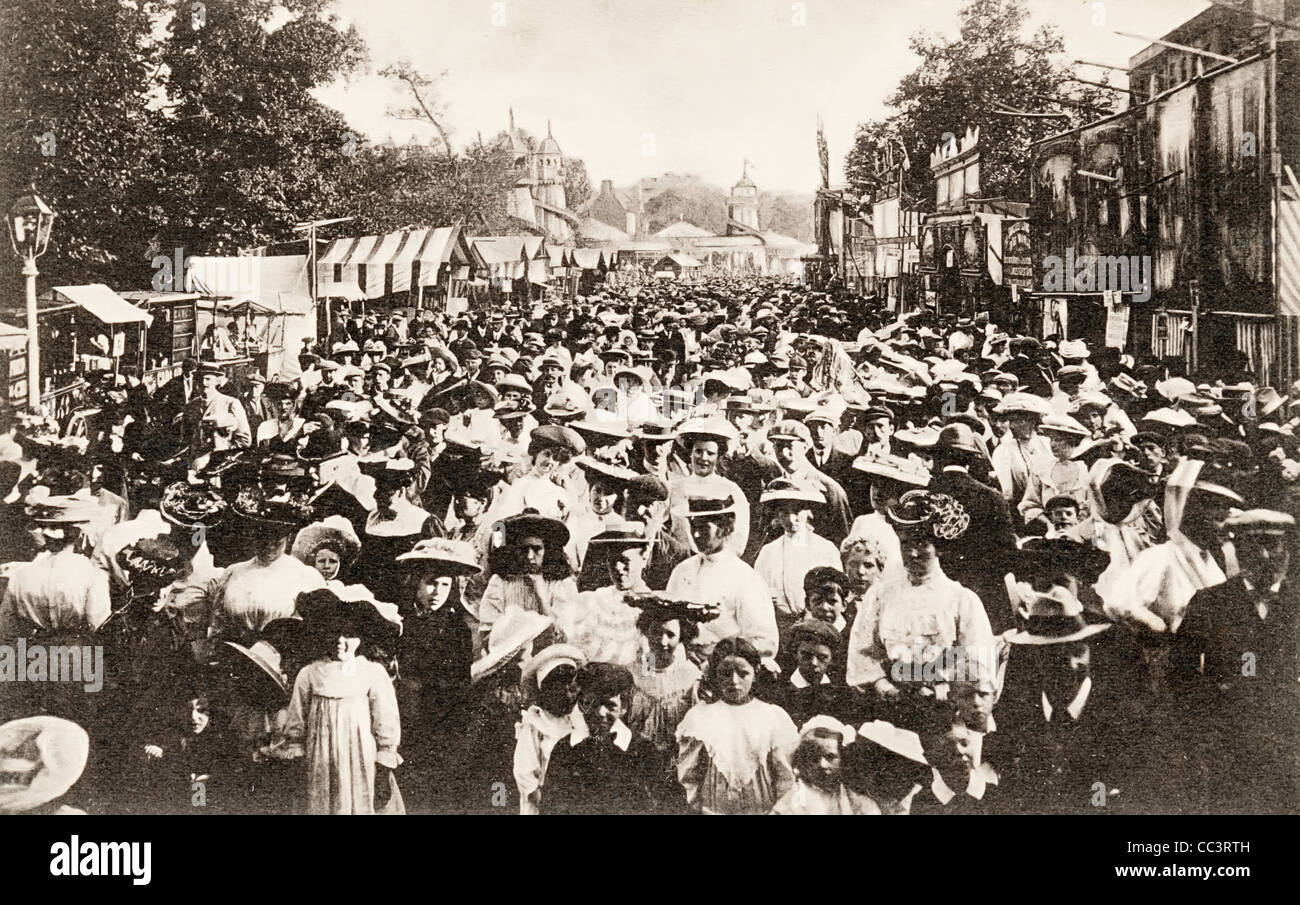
x=545 y=661
x=717 y=429
x=448 y=557
x=611 y=473
x=1023 y=403
x=1053 y=617
x=336 y=530
x=41 y=757
x=781 y=490
x=327 y=615
x=267 y=659
x=510 y=636
x=895 y=468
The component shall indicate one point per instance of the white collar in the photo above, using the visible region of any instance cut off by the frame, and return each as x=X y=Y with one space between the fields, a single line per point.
x=1075 y=707
x=1276 y=586
x=981 y=776
x=798 y=681
x=622 y=735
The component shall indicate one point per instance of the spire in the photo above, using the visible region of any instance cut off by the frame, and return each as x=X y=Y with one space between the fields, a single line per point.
x=512 y=120
x=548 y=129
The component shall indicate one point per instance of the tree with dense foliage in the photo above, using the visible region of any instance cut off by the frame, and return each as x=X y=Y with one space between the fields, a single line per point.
x=75 y=121
x=962 y=83
x=247 y=150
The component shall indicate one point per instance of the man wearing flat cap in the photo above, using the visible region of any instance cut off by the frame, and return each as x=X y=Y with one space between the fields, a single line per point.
x=791 y=442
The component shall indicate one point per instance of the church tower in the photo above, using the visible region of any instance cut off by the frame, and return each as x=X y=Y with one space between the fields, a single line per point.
x=742 y=206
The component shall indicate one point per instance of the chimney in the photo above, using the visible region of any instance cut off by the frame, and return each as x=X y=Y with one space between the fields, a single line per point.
x=607 y=186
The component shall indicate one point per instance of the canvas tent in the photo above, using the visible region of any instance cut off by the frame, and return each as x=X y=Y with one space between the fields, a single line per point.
x=274 y=290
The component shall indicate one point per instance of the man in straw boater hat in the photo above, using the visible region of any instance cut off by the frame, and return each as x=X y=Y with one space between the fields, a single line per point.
x=1235 y=663
x=717 y=575
x=1023 y=451
x=1065 y=475
x=706 y=442
x=1067 y=717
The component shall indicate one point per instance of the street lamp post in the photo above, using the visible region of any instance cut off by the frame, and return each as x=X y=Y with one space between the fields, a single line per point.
x=30 y=223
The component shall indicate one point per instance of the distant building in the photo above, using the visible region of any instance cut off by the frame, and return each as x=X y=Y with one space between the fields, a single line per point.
x=1172 y=228
x=538 y=197
x=742 y=207
x=611 y=209
x=743 y=247
x=1219 y=29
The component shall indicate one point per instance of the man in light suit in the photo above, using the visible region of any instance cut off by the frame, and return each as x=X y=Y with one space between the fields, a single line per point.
x=216 y=421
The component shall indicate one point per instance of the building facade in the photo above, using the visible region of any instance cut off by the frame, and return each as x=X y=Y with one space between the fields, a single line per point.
x=1172 y=229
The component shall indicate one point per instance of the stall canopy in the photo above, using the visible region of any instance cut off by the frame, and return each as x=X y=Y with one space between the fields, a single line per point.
x=682 y=260
x=104 y=304
x=373 y=266
x=503 y=255
x=273 y=287
x=588 y=258
x=12 y=339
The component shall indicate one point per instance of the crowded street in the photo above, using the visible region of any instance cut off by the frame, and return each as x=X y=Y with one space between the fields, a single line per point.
x=430 y=479
x=731 y=547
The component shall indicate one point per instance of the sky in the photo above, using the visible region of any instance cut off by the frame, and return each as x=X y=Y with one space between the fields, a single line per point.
x=644 y=87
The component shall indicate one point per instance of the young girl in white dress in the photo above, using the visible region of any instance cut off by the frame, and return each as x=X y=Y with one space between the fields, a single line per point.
x=734 y=753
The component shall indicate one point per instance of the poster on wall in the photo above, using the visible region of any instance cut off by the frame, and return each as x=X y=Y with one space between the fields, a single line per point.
x=1117 y=314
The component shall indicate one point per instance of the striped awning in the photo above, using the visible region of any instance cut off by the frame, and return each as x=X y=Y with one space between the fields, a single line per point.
x=373 y=266
x=339 y=269
x=1288 y=249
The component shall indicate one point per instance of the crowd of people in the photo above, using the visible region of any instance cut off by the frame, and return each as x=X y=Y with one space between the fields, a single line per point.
x=727 y=548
